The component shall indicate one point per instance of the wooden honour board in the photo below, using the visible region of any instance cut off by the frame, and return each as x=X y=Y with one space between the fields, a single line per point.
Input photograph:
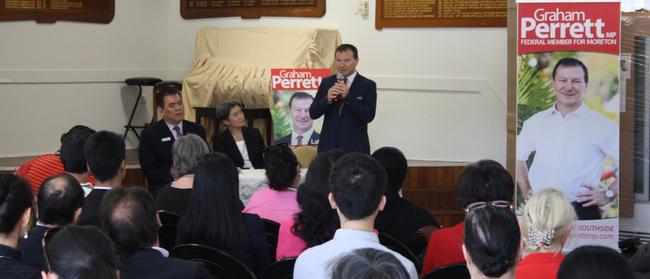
x=440 y=13
x=191 y=9
x=49 y=11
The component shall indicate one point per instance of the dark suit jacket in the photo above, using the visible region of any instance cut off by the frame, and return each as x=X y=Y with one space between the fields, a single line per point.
x=90 y=210
x=347 y=130
x=31 y=248
x=11 y=267
x=312 y=140
x=224 y=143
x=149 y=263
x=156 y=155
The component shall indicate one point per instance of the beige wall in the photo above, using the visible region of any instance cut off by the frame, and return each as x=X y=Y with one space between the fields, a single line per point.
x=441 y=91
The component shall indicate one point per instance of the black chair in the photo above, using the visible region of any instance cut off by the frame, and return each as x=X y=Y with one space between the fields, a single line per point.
x=282 y=269
x=168 y=218
x=392 y=243
x=219 y=263
x=139 y=82
x=167 y=236
x=272 y=229
x=452 y=271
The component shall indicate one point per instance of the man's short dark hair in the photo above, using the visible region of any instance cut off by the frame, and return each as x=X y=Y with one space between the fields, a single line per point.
x=164 y=92
x=81 y=252
x=300 y=95
x=345 y=47
x=72 y=155
x=128 y=216
x=571 y=62
x=484 y=181
x=358 y=184
x=76 y=132
x=58 y=199
x=104 y=152
x=394 y=162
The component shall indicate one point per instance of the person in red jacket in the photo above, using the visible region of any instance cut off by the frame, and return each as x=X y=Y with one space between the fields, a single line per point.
x=483 y=181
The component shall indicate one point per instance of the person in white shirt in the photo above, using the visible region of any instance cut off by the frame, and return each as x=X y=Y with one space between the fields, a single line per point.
x=357 y=185
x=571 y=143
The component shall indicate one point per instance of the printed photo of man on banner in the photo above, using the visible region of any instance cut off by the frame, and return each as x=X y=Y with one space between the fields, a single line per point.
x=568 y=106
x=293 y=93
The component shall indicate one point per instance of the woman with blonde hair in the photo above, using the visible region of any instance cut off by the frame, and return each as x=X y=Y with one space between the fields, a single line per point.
x=547 y=221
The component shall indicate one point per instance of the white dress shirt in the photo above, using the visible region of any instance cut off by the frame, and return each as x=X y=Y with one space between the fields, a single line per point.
x=316 y=262
x=569 y=151
x=305 y=137
x=241 y=145
x=171 y=129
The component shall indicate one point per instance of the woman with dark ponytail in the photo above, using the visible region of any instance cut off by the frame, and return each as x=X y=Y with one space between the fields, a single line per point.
x=492 y=241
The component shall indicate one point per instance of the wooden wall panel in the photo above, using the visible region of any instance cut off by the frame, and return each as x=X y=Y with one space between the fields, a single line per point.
x=434 y=188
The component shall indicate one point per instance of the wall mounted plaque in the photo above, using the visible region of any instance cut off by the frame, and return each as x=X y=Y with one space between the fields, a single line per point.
x=440 y=13
x=49 y=11
x=251 y=8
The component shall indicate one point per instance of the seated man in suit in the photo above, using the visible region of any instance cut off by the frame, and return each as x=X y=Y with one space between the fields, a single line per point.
x=105 y=153
x=302 y=128
x=155 y=150
x=129 y=218
x=59 y=203
x=357 y=185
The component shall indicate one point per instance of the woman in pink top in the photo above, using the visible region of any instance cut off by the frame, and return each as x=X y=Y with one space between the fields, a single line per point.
x=547 y=221
x=317 y=221
x=278 y=201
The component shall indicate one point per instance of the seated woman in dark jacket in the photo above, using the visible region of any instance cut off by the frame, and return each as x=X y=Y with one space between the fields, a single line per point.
x=214 y=217
x=242 y=144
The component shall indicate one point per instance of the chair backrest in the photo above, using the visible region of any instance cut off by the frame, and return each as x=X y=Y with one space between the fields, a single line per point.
x=282 y=269
x=452 y=271
x=168 y=218
x=305 y=154
x=272 y=230
x=220 y=264
x=392 y=243
x=167 y=236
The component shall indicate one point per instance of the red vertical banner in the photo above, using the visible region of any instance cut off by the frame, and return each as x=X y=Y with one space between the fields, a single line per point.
x=568 y=105
x=293 y=92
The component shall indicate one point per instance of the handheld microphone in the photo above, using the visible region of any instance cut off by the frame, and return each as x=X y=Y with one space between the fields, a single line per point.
x=339 y=78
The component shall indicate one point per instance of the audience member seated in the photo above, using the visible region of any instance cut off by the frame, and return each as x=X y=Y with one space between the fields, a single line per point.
x=105 y=153
x=595 y=262
x=46 y=165
x=641 y=262
x=129 y=218
x=368 y=263
x=155 y=149
x=483 y=181
x=317 y=221
x=357 y=184
x=187 y=151
x=492 y=241
x=80 y=252
x=59 y=203
x=277 y=202
x=214 y=217
x=74 y=162
x=547 y=221
x=244 y=145
x=15 y=218
x=415 y=230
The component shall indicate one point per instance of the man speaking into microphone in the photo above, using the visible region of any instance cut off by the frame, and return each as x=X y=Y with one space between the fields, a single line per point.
x=348 y=101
